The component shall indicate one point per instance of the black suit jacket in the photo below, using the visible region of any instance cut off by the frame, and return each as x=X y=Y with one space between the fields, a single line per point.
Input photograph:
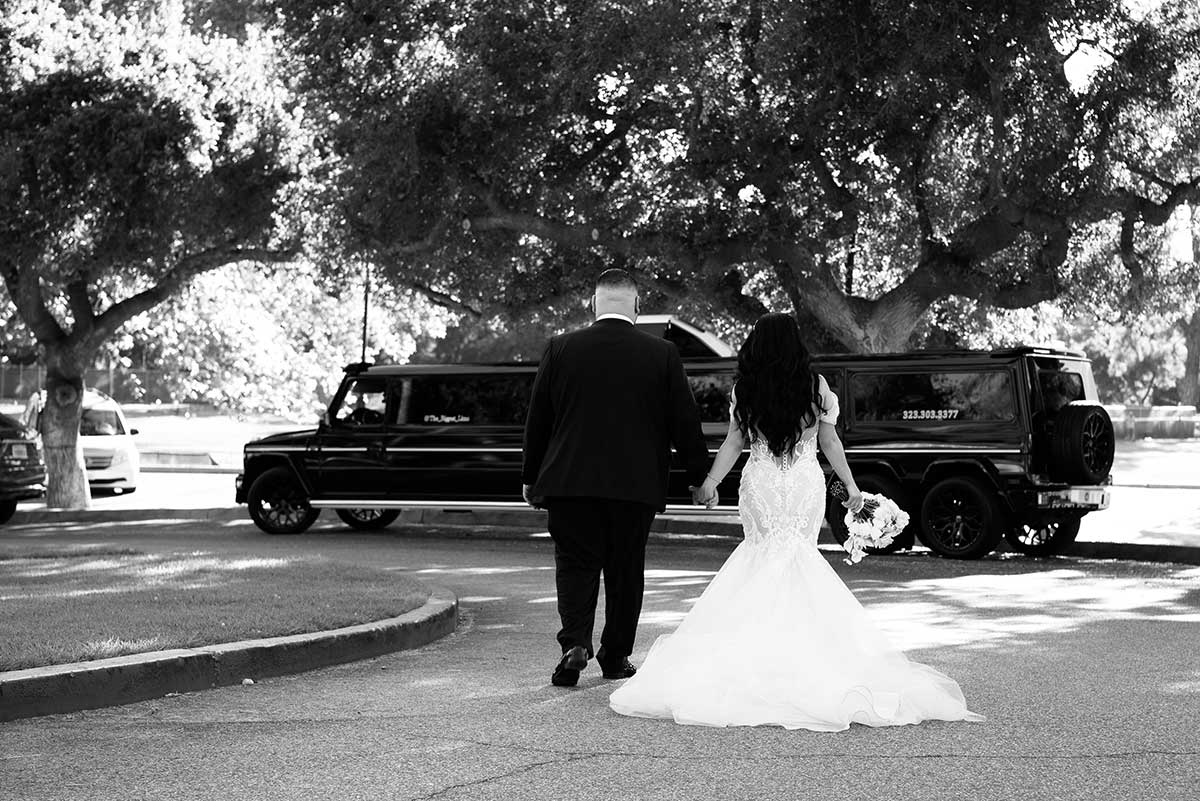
x=608 y=403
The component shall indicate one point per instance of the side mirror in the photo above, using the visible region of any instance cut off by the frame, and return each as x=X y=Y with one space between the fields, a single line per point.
x=132 y=431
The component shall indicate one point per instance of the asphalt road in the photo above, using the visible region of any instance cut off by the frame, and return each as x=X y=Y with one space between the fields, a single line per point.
x=1086 y=672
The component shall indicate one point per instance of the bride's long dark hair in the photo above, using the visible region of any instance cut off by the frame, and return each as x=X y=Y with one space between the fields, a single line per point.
x=775 y=386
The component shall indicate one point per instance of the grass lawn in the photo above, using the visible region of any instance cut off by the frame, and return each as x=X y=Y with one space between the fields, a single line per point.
x=72 y=607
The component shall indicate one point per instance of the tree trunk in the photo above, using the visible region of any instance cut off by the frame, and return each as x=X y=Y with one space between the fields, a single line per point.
x=66 y=476
x=1189 y=385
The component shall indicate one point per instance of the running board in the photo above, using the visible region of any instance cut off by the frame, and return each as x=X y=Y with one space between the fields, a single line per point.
x=450 y=506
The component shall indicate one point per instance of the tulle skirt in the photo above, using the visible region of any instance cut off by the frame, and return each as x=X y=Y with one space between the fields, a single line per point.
x=778 y=639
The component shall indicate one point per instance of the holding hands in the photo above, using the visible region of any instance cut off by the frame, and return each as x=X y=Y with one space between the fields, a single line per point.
x=705 y=494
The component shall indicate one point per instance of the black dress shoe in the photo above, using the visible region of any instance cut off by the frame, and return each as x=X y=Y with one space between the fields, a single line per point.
x=623 y=670
x=566 y=674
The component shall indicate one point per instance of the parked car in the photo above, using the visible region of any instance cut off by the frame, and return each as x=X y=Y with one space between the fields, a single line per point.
x=22 y=471
x=976 y=446
x=109 y=452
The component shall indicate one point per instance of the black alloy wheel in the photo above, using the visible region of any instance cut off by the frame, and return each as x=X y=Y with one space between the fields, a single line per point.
x=1043 y=537
x=278 y=504
x=961 y=519
x=835 y=512
x=368 y=519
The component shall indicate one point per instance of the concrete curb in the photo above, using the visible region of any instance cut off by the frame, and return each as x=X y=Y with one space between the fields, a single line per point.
x=137 y=677
x=492 y=523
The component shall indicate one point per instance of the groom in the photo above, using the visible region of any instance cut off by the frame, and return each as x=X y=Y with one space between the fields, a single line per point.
x=608 y=403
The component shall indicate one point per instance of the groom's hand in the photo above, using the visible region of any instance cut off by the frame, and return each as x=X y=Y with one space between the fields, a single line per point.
x=700 y=498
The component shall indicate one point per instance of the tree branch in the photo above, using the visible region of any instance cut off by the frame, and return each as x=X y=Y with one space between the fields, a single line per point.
x=186 y=269
x=750 y=34
x=920 y=196
x=621 y=128
x=1126 y=248
x=80 y=303
x=1078 y=44
x=25 y=290
x=443 y=299
x=578 y=235
x=1149 y=176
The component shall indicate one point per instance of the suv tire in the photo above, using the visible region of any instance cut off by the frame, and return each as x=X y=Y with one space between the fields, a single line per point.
x=835 y=513
x=961 y=519
x=368 y=518
x=7 y=510
x=278 y=504
x=1043 y=537
x=1083 y=444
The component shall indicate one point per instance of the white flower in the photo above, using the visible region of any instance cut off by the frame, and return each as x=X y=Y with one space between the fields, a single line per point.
x=874 y=526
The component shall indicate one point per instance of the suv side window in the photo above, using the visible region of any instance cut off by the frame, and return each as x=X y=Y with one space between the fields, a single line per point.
x=943 y=396
x=363 y=403
x=456 y=400
x=1059 y=389
x=712 y=395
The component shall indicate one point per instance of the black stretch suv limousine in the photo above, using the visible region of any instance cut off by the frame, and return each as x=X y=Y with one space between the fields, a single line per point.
x=976 y=446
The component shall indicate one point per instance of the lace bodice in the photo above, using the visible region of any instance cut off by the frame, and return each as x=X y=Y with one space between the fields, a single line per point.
x=805 y=448
x=782 y=498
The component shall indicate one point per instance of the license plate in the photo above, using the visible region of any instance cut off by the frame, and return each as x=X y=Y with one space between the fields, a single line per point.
x=18 y=450
x=1090 y=497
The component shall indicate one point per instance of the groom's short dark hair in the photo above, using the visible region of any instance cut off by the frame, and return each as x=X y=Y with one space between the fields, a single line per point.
x=616 y=278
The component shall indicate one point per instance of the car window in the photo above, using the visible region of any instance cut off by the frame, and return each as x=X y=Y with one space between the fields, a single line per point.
x=712 y=396
x=441 y=400
x=364 y=403
x=942 y=396
x=1059 y=389
x=100 y=423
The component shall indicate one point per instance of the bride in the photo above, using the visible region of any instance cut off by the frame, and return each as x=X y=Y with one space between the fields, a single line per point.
x=777 y=638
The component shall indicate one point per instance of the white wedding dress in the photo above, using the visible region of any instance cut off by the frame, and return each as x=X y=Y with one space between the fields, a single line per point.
x=777 y=638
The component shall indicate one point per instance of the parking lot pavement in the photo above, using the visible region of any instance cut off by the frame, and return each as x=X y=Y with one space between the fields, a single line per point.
x=1085 y=671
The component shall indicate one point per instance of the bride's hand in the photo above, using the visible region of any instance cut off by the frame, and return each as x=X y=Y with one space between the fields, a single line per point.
x=854 y=499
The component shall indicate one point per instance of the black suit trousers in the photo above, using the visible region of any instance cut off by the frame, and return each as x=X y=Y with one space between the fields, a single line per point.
x=593 y=536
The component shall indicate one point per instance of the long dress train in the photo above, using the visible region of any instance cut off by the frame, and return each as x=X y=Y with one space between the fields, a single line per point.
x=776 y=638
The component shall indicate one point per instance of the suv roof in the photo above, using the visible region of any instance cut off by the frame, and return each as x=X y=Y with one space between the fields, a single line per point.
x=361 y=368
x=930 y=355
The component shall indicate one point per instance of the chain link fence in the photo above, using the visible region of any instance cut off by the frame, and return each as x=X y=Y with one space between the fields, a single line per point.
x=124 y=385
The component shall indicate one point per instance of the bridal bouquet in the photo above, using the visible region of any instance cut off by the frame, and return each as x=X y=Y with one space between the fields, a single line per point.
x=875 y=525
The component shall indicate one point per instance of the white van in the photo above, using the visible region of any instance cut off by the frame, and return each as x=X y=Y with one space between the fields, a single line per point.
x=109 y=452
